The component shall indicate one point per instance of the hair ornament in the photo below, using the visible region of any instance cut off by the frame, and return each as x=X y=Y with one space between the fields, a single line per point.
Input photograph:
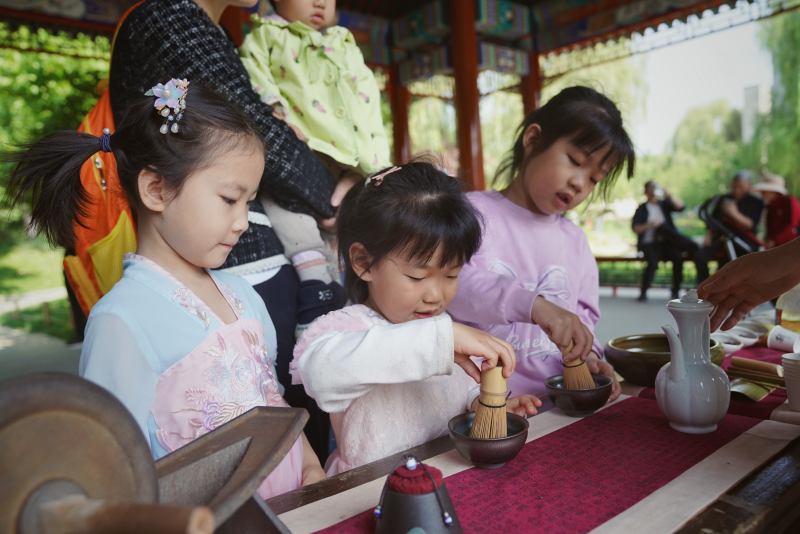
x=377 y=179
x=105 y=140
x=170 y=102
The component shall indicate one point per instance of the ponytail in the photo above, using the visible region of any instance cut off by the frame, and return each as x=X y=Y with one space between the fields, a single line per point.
x=49 y=169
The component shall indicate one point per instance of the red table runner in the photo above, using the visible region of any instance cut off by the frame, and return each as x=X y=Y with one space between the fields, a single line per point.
x=578 y=477
x=741 y=405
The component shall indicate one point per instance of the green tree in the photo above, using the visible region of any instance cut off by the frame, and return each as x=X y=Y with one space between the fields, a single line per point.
x=778 y=138
x=621 y=80
x=704 y=153
x=501 y=114
x=48 y=82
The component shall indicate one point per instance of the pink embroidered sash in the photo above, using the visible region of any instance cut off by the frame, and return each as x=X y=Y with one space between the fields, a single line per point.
x=222 y=378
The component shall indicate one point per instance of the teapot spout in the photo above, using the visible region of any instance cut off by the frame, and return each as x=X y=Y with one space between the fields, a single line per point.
x=677 y=370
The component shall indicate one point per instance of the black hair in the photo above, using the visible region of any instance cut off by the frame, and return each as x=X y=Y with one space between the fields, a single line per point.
x=49 y=169
x=412 y=211
x=589 y=119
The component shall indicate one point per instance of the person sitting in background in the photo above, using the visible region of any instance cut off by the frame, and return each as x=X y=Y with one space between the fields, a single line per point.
x=783 y=210
x=739 y=213
x=658 y=238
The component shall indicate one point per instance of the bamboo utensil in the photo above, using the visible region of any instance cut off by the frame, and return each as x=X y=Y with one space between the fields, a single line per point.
x=490 y=414
x=576 y=373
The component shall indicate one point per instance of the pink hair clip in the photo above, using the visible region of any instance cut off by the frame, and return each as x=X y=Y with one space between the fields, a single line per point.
x=377 y=179
x=170 y=102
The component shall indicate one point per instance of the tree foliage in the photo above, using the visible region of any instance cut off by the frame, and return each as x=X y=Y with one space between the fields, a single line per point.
x=48 y=82
x=779 y=134
x=622 y=81
x=707 y=147
x=704 y=153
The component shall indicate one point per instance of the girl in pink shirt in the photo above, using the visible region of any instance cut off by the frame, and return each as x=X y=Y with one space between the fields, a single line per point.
x=533 y=282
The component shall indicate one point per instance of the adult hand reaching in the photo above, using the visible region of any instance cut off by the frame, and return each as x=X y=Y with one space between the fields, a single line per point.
x=750 y=280
x=344 y=185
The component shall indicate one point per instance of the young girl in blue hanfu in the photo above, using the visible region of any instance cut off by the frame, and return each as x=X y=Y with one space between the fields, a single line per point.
x=185 y=349
x=534 y=280
x=387 y=367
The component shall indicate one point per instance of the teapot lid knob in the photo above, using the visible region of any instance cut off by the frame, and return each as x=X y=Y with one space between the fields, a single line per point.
x=690 y=302
x=690 y=297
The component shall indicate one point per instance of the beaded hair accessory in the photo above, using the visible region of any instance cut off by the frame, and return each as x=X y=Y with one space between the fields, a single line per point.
x=170 y=102
x=377 y=179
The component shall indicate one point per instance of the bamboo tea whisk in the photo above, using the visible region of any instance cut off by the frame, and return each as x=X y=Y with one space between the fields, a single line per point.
x=490 y=414
x=576 y=373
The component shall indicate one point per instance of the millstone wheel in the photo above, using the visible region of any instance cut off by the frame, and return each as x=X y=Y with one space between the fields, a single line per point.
x=61 y=435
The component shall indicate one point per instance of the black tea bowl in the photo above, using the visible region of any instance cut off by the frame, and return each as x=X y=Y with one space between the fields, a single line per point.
x=488 y=453
x=578 y=402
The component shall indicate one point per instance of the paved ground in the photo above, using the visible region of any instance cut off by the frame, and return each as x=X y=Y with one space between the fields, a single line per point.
x=624 y=315
x=22 y=353
x=34 y=298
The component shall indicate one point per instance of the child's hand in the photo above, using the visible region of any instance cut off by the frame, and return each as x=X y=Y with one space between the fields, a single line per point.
x=564 y=328
x=524 y=405
x=311 y=470
x=280 y=115
x=468 y=341
x=601 y=367
x=313 y=474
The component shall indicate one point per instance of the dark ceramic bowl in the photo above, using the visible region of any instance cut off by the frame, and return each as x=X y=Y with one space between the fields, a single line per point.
x=638 y=358
x=578 y=402
x=488 y=453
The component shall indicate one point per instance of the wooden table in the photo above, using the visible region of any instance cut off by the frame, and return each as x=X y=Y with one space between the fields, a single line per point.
x=763 y=501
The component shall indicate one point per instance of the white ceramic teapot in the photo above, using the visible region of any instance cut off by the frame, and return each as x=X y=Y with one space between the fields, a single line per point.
x=692 y=392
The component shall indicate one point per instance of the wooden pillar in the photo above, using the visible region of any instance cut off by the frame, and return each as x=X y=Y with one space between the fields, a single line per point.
x=464 y=49
x=531 y=84
x=231 y=20
x=399 y=100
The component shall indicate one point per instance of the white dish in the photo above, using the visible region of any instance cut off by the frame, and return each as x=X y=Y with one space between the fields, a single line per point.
x=746 y=336
x=765 y=317
x=758 y=327
x=729 y=342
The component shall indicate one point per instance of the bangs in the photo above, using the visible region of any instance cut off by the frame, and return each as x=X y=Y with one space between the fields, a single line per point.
x=618 y=147
x=595 y=133
x=418 y=213
x=448 y=225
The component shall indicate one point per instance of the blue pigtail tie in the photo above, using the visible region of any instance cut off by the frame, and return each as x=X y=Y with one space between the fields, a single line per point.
x=105 y=140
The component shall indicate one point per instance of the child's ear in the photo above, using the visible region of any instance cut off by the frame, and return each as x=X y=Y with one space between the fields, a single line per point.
x=531 y=136
x=360 y=260
x=153 y=190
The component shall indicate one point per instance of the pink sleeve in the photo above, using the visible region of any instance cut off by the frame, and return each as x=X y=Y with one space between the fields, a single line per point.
x=485 y=297
x=588 y=306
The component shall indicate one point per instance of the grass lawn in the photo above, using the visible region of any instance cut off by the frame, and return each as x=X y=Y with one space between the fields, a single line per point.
x=58 y=324
x=30 y=266
x=630 y=274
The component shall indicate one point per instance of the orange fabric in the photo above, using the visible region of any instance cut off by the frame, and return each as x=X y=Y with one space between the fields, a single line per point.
x=106 y=232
